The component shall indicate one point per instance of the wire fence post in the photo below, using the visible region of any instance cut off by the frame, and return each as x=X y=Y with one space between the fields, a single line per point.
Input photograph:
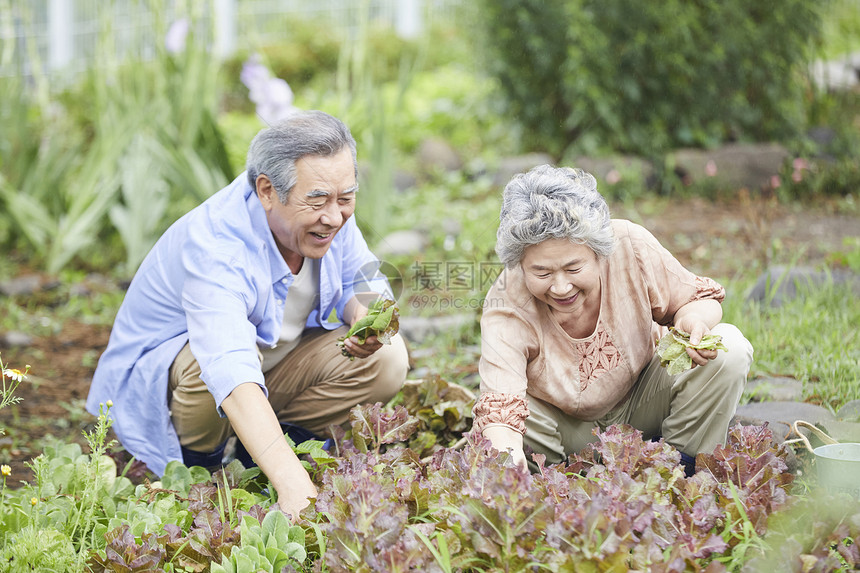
x=407 y=18
x=60 y=23
x=225 y=28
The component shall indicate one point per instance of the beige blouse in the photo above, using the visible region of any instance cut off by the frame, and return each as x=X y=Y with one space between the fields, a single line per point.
x=525 y=351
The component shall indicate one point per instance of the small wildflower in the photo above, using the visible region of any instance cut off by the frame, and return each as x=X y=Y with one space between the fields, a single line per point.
x=613 y=177
x=799 y=163
x=711 y=168
x=775 y=181
x=109 y=403
x=797 y=176
x=34 y=500
x=273 y=96
x=174 y=40
x=5 y=470
x=14 y=374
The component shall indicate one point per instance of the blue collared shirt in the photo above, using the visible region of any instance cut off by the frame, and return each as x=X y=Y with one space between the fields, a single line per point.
x=217 y=280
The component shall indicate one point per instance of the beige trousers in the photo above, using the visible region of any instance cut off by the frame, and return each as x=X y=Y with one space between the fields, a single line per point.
x=314 y=386
x=692 y=410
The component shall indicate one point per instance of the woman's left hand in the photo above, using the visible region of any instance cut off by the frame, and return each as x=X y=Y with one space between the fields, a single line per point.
x=697 y=329
x=697 y=318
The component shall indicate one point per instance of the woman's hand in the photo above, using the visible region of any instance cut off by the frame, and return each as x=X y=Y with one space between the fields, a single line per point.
x=509 y=440
x=697 y=318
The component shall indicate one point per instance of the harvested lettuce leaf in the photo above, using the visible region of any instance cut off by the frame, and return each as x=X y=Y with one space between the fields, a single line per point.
x=382 y=321
x=672 y=349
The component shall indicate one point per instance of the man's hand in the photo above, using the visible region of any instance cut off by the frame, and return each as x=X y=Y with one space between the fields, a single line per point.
x=258 y=428
x=354 y=346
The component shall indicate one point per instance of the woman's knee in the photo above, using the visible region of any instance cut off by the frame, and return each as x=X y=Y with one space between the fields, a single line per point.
x=739 y=353
x=389 y=369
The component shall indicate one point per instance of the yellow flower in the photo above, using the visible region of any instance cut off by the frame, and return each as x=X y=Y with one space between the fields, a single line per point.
x=14 y=374
x=5 y=470
x=34 y=500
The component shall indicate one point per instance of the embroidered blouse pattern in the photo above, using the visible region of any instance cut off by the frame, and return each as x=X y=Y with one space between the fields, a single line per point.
x=599 y=355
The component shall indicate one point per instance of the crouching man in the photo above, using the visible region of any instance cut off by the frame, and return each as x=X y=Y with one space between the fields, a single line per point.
x=229 y=326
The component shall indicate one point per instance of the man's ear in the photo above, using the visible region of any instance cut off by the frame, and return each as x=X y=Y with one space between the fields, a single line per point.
x=266 y=192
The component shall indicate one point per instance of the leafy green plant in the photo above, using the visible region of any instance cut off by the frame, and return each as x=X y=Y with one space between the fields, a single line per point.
x=382 y=320
x=268 y=546
x=672 y=349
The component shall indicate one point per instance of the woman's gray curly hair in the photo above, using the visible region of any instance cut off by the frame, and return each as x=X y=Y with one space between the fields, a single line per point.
x=552 y=203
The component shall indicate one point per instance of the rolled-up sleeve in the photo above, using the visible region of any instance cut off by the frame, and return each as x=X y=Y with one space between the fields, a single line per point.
x=217 y=298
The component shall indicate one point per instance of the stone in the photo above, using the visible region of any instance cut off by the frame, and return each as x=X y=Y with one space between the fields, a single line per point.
x=405 y=242
x=736 y=165
x=510 y=166
x=417 y=329
x=404 y=180
x=780 y=416
x=779 y=284
x=850 y=412
x=435 y=154
x=614 y=168
x=14 y=338
x=21 y=286
x=774 y=389
x=842 y=431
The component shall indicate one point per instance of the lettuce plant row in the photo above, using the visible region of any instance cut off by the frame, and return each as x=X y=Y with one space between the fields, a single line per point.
x=393 y=499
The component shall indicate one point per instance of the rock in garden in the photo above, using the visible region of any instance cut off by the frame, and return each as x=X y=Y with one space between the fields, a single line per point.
x=21 y=286
x=780 y=415
x=510 y=166
x=774 y=389
x=405 y=242
x=736 y=165
x=435 y=154
x=15 y=339
x=780 y=284
x=849 y=412
x=615 y=168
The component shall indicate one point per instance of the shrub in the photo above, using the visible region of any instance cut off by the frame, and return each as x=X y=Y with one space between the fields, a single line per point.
x=644 y=76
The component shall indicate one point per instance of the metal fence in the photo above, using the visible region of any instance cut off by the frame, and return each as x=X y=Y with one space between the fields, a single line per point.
x=61 y=37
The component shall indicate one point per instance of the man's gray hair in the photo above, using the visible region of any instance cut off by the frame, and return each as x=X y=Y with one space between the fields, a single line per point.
x=275 y=149
x=552 y=203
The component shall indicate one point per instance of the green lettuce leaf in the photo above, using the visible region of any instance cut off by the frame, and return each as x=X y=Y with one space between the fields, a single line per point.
x=672 y=349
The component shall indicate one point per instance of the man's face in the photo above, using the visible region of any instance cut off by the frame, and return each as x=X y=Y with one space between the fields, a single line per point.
x=316 y=209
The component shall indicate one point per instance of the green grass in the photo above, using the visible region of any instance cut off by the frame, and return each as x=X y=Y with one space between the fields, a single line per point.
x=812 y=338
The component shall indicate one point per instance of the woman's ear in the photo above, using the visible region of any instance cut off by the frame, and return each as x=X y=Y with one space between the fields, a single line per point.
x=266 y=192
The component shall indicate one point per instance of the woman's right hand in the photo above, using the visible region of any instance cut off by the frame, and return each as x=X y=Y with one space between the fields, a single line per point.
x=505 y=439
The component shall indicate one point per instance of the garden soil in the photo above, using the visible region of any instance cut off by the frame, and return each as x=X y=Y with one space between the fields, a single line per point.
x=727 y=239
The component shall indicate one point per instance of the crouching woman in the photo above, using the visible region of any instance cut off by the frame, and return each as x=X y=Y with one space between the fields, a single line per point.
x=569 y=330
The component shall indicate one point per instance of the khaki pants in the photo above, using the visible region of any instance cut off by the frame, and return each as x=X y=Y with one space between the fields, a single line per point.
x=692 y=410
x=314 y=386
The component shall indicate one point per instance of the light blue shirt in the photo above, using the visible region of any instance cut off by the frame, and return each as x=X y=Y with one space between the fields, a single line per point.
x=217 y=280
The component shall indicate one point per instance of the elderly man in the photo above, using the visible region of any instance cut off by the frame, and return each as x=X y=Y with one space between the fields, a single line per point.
x=230 y=324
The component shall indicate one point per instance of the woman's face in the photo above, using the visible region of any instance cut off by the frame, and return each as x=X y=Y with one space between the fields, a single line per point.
x=564 y=275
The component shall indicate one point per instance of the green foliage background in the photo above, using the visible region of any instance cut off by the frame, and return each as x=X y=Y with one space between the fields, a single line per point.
x=646 y=76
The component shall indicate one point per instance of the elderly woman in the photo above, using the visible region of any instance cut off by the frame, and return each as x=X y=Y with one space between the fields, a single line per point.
x=570 y=328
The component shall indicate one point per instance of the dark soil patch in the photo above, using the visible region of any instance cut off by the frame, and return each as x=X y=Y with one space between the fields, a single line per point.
x=730 y=239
